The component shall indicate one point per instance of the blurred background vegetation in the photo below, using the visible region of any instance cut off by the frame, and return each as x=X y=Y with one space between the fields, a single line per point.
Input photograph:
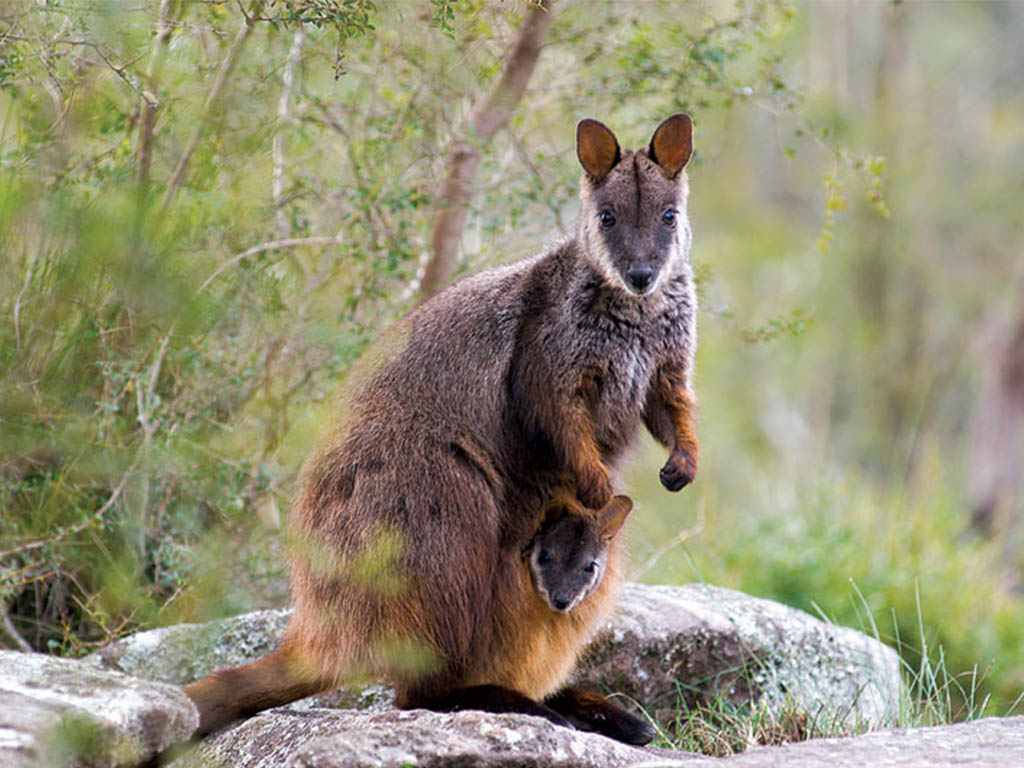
x=209 y=208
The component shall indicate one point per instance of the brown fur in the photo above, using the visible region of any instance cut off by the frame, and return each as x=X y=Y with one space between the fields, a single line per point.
x=408 y=526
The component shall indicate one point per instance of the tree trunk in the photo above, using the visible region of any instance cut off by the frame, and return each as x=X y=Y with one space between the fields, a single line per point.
x=284 y=116
x=997 y=460
x=150 y=104
x=464 y=151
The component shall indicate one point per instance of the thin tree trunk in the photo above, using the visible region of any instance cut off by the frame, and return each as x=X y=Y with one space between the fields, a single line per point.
x=284 y=114
x=212 y=99
x=464 y=151
x=997 y=456
x=150 y=104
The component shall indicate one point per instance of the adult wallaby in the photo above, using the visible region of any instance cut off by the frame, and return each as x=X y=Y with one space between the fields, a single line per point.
x=493 y=392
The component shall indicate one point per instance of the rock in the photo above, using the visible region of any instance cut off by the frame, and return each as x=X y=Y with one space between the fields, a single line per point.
x=333 y=739
x=60 y=712
x=186 y=652
x=704 y=641
x=700 y=639
x=993 y=742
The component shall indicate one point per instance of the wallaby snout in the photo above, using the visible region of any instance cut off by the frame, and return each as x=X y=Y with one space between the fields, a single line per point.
x=640 y=276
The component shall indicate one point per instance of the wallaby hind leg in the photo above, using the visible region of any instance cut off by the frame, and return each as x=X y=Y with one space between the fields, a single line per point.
x=593 y=712
x=489 y=698
x=232 y=694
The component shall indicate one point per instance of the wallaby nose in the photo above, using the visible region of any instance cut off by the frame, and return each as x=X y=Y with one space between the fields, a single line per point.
x=640 y=276
x=561 y=602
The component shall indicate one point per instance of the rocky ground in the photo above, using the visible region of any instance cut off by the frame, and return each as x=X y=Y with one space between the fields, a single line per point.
x=122 y=706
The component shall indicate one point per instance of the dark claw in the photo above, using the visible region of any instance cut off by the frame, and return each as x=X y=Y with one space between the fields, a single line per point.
x=557 y=719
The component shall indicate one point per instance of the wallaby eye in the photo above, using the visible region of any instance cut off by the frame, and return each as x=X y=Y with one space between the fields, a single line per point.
x=591 y=566
x=607 y=219
x=669 y=217
x=544 y=557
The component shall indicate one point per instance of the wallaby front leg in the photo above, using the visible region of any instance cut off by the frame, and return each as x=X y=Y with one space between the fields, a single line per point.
x=593 y=712
x=574 y=440
x=670 y=415
x=558 y=404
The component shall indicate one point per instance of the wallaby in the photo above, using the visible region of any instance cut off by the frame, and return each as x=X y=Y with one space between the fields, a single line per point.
x=493 y=392
x=568 y=555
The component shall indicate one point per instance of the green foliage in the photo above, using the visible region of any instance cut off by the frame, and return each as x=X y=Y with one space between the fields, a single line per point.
x=444 y=16
x=350 y=20
x=151 y=377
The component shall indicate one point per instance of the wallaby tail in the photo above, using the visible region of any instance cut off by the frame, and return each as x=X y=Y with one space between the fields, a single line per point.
x=233 y=694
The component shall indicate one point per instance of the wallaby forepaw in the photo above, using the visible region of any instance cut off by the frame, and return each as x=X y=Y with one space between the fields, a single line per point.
x=679 y=471
x=594 y=490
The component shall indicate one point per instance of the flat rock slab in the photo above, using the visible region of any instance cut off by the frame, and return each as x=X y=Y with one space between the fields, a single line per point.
x=696 y=639
x=60 y=712
x=334 y=739
x=993 y=742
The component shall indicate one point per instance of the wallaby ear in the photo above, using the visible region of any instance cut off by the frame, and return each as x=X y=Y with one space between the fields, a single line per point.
x=672 y=144
x=597 y=148
x=614 y=515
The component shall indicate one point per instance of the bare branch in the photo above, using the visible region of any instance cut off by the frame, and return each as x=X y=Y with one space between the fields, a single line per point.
x=286 y=243
x=17 y=301
x=216 y=91
x=284 y=114
x=121 y=69
x=682 y=536
x=145 y=398
x=154 y=374
x=464 y=152
x=78 y=527
x=8 y=629
x=997 y=450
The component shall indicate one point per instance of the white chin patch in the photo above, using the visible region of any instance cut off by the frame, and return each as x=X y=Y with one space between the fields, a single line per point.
x=652 y=288
x=608 y=271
